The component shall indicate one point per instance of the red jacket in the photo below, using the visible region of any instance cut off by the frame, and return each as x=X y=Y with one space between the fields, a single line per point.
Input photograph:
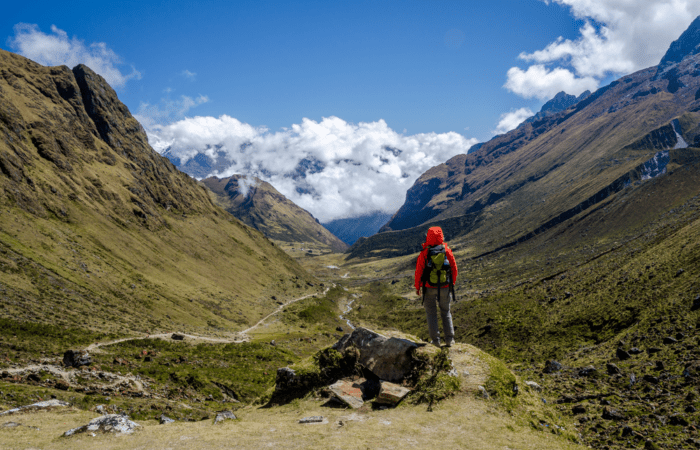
x=434 y=238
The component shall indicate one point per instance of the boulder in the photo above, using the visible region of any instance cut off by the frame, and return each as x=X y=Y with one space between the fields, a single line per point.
x=622 y=354
x=287 y=379
x=388 y=358
x=613 y=369
x=224 y=415
x=46 y=405
x=588 y=371
x=177 y=337
x=612 y=414
x=533 y=385
x=164 y=420
x=312 y=419
x=670 y=340
x=391 y=394
x=110 y=423
x=76 y=358
x=551 y=367
x=578 y=409
x=348 y=393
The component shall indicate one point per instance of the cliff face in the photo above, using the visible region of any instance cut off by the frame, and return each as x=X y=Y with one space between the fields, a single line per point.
x=261 y=206
x=94 y=220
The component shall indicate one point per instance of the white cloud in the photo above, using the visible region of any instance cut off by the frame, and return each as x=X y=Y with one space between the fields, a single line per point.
x=57 y=49
x=189 y=75
x=618 y=37
x=540 y=82
x=331 y=168
x=511 y=120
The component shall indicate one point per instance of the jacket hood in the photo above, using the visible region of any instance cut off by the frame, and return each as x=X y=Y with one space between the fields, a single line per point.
x=434 y=237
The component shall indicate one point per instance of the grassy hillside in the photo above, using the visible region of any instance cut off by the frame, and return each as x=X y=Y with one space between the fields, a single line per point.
x=97 y=230
x=259 y=205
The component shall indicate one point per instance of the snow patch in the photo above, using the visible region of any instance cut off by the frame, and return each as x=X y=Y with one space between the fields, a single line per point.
x=681 y=142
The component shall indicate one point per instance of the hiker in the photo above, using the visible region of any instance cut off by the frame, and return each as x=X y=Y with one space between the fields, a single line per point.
x=436 y=266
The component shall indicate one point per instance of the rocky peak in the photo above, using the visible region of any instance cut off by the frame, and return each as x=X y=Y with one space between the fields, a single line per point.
x=560 y=102
x=687 y=44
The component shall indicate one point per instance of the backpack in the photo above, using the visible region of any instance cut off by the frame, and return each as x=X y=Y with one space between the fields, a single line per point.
x=437 y=267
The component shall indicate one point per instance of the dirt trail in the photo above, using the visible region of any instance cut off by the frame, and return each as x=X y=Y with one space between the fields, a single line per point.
x=240 y=336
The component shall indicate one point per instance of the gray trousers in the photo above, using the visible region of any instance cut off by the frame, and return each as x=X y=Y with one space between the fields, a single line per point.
x=431 y=304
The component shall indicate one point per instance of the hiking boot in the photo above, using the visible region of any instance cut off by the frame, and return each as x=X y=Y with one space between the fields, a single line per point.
x=436 y=342
x=450 y=342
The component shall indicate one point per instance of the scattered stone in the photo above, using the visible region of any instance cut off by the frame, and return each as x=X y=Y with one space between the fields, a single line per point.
x=652 y=350
x=101 y=409
x=679 y=272
x=678 y=420
x=177 y=337
x=348 y=393
x=224 y=415
x=164 y=420
x=62 y=385
x=40 y=406
x=483 y=393
x=612 y=414
x=272 y=342
x=339 y=328
x=588 y=371
x=622 y=354
x=635 y=351
x=690 y=409
x=660 y=365
x=11 y=424
x=534 y=386
x=388 y=358
x=627 y=431
x=578 y=409
x=692 y=369
x=390 y=393
x=613 y=369
x=551 y=367
x=76 y=358
x=670 y=340
x=312 y=419
x=110 y=423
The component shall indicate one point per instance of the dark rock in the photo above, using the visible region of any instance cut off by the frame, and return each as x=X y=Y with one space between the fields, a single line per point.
x=613 y=369
x=696 y=304
x=652 y=350
x=634 y=351
x=651 y=379
x=670 y=341
x=388 y=359
x=578 y=409
x=660 y=365
x=339 y=329
x=224 y=415
x=588 y=371
x=551 y=367
x=287 y=380
x=680 y=336
x=62 y=385
x=690 y=409
x=679 y=272
x=76 y=358
x=604 y=401
x=692 y=369
x=177 y=337
x=612 y=414
x=678 y=420
x=627 y=431
x=622 y=354
x=649 y=445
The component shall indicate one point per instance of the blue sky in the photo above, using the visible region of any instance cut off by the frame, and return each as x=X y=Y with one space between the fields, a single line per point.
x=400 y=69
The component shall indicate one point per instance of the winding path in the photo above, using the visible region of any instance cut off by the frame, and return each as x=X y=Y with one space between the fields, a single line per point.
x=242 y=334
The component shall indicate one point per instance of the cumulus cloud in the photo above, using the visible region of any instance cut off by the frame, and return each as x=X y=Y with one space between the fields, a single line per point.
x=56 y=48
x=618 y=37
x=510 y=120
x=167 y=110
x=332 y=168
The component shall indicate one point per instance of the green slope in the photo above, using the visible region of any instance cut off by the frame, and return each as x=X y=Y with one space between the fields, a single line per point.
x=97 y=229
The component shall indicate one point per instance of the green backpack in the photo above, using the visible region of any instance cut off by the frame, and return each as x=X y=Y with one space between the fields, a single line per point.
x=437 y=267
